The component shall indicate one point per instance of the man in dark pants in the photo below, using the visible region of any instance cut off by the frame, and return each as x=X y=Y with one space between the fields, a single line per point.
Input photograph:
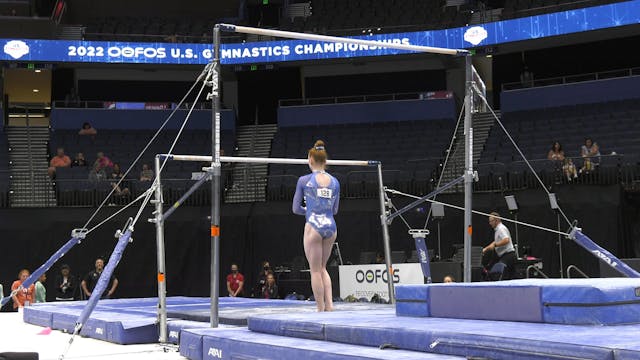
x=91 y=279
x=501 y=245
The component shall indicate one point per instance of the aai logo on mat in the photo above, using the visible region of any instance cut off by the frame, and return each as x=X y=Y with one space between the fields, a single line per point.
x=16 y=49
x=475 y=35
x=215 y=352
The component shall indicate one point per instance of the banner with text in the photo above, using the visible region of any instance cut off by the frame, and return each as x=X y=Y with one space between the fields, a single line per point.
x=526 y=28
x=364 y=281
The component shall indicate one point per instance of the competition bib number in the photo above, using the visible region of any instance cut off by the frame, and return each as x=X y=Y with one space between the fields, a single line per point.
x=325 y=193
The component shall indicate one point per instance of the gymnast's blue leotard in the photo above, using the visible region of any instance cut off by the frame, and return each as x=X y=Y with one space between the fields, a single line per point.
x=322 y=203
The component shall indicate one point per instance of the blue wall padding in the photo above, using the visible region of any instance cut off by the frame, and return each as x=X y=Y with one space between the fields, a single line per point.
x=588 y=92
x=412 y=300
x=369 y=112
x=137 y=119
x=244 y=344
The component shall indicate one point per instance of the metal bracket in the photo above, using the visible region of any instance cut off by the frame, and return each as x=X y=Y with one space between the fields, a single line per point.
x=419 y=233
x=127 y=226
x=572 y=231
x=80 y=233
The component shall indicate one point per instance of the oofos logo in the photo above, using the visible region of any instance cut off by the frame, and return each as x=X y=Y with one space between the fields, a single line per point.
x=375 y=276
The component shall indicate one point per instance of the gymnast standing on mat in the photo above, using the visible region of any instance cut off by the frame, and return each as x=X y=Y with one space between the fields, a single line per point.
x=321 y=193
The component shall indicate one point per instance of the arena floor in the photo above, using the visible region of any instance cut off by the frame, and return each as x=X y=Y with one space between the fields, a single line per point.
x=18 y=336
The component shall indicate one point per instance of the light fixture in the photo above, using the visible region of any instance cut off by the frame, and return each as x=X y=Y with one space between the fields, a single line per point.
x=512 y=204
x=437 y=210
x=38 y=70
x=553 y=201
x=36 y=90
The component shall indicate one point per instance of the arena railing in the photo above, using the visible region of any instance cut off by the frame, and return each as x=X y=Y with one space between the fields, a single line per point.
x=359 y=98
x=569 y=79
x=107 y=105
x=494 y=176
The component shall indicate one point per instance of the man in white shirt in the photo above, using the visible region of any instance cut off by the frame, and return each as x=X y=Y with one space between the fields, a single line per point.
x=502 y=245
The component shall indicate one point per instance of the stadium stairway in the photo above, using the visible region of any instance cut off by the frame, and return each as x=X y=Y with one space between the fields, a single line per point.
x=482 y=123
x=249 y=181
x=30 y=184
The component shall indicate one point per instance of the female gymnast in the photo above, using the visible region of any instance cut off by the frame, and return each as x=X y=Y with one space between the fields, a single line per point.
x=321 y=193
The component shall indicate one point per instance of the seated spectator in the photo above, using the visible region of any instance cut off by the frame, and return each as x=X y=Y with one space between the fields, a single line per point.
x=40 y=293
x=448 y=279
x=60 y=160
x=590 y=152
x=24 y=297
x=96 y=173
x=66 y=284
x=87 y=129
x=556 y=153
x=79 y=160
x=146 y=174
x=102 y=162
x=562 y=164
x=270 y=289
x=569 y=169
x=116 y=175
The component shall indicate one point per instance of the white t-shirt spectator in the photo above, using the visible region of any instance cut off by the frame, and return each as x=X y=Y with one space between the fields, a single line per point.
x=501 y=232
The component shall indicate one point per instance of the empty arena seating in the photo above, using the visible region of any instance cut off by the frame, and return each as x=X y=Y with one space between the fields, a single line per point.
x=410 y=151
x=335 y=16
x=4 y=169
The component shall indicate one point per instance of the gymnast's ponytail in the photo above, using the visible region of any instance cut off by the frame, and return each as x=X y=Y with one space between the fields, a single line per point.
x=318 y=153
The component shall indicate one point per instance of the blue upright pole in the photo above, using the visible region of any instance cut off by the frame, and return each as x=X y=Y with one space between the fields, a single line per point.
x=103 y=281
x=45 y=267
x=423 y=254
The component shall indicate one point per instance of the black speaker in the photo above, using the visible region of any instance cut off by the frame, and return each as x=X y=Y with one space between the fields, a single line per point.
x=608 y=271
x=19 y=356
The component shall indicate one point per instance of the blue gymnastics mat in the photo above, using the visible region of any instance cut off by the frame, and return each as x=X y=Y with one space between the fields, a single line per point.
x=610 y=301
x=237 y=315
x=461 y=337
x=133 y=321
x=243 y=344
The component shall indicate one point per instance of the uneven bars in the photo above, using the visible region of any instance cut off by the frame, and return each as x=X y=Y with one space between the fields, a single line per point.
x=258 y=160
x=336 y=39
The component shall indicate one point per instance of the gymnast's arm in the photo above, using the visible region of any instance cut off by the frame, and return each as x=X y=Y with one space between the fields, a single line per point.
x=336 y=203
x=297 y=198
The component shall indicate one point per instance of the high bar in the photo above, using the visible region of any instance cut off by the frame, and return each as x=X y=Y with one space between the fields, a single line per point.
x=258 y=160
x=336 y=39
